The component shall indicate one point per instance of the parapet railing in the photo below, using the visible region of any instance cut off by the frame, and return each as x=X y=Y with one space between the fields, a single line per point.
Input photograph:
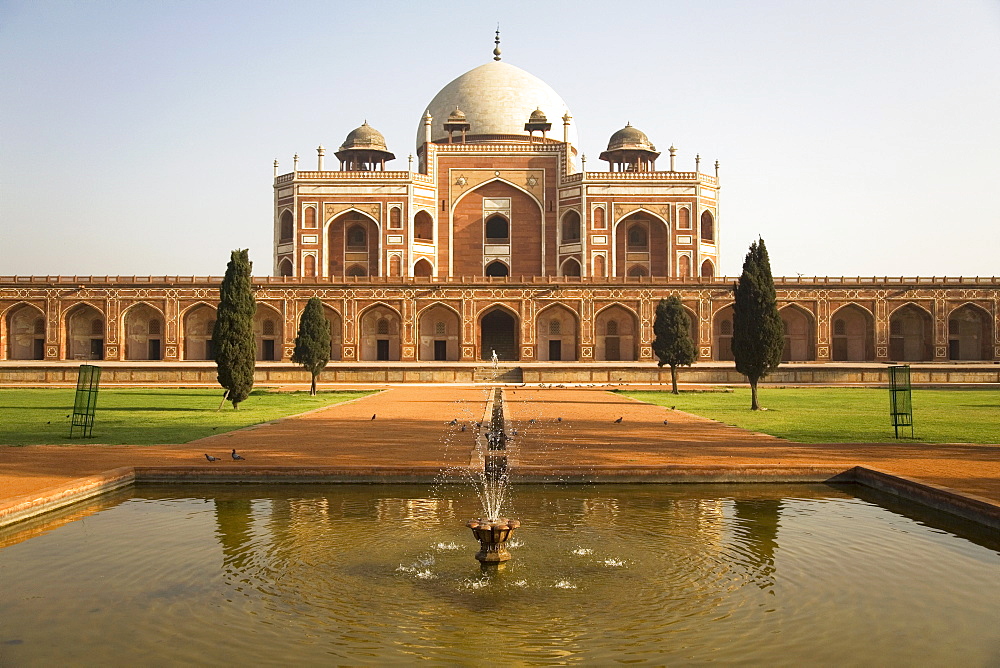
x=724 y=281
x=352 y=176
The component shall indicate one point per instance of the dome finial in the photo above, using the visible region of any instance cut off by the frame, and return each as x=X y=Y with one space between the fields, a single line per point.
x=496 y=51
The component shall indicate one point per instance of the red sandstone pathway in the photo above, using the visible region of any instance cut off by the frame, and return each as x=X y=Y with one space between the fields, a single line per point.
x=411 y=428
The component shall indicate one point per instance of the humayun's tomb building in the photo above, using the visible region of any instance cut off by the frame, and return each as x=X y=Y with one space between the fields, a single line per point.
x=497 y=237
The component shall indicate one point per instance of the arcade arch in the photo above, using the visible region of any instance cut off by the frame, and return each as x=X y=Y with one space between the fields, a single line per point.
x=722 y=335
x=616 y=335
x=910 y=332
x=267 y=332
x=440 y=332
x=380 y=328
x=199 y=324
x=84 y=333
x=144 y=329
x=498 y=332
x=556 y=334
x=969 y=334
x=799 y=335
x=25 y=333
x=641 y=245
x=352 y=241
x=336 y=332
x=852 y=335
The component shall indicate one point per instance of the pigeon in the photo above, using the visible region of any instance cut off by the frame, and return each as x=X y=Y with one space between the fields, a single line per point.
x=514 y=432
x=453 y=422
x=463 y=427
x=666 y=422
x=236 y=456
x=531 y=421
x=672 y=408
x=619 y=419
x=211 y=458
x=373 y=415
x=558 y=419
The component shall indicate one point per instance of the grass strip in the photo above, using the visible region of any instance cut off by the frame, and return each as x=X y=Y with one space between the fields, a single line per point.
x=845 y=414
x=146 y=416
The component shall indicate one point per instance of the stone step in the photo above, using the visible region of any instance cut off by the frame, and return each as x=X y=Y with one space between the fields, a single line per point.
x=499 y=374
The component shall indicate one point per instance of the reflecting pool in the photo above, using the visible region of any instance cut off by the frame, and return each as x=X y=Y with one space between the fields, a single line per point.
x=376 y=574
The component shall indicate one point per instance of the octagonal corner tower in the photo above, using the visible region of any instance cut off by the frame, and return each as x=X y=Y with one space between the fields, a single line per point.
x=497 y=99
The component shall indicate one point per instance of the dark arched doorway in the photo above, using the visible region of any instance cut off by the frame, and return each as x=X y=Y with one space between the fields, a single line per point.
x=498 y=333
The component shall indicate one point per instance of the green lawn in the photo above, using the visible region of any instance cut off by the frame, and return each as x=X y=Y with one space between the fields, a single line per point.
x=146 y=416
x=845 y=415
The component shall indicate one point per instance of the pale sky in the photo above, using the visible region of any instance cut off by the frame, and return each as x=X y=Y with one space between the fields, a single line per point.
x=857 y=138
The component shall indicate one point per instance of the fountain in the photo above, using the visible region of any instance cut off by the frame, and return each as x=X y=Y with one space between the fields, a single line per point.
x=493 y=531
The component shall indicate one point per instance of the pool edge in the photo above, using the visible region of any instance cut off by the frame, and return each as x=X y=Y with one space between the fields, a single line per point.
x=967 y=506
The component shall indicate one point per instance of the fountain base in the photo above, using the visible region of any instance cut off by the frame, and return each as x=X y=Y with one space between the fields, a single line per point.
x=493 y=536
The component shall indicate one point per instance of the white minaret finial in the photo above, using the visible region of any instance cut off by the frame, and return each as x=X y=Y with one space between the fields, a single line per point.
x=295 y=162
x=566 y=121
x=410 y=160
x=428 y=120
x=320 y=152
x=496 y=51
x=276 y=167
x=673 y=155
x=716 y=169
x=697 y=163
x=583 y=162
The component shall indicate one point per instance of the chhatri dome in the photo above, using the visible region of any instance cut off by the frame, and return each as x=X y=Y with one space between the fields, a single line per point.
x=497 y=99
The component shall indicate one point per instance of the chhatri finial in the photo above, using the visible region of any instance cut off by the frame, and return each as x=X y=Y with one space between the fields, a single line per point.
x=496 y=51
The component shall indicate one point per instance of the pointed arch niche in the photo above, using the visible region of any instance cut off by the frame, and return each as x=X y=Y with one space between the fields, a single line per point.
x=970 y=335
x=498 y=332
x=84 y=333
x=556 y=333
x=26 y=333
x=641 y=246
x=852 y=335
x=910 y=332
x=380 y=328
x=800 y=334
x=440 y=334
x=199 y=323
x=352 y=241
x=617 y=335
x=144 y=328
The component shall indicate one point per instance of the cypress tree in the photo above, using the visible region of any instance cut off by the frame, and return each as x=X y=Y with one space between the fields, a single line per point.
x=312 y=345
x=758 y=333
x=672 y=331
x=235 y=348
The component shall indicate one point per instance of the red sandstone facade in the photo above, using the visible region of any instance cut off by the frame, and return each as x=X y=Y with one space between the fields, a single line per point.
x=500 y=242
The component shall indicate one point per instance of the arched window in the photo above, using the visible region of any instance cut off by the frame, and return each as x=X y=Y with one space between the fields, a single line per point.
x=683 y=219
x=611 y=328
x=684 y=266
x=440 y=328
x=497 y=230
x=571 y=268
x=423 y=268
x=839 y=327
x=726 y=328
x=554 y=326
x=423 y=226
x=395 y=218
x=497 y=268
x=637 y=237
x=97 y=327
x=39 y=326
x=599 y=218
x=285 y=267
x=394 y=265
x=707 y=269
x=310 y=217
x=571 y=227
x=382 y=326
x=357 y=270
x=309 y=264
x=707 y=226
x=267 y=329
x=357 y=237
x=287 y=227
x=599 y=269
x=637 y=270
x=154 y=326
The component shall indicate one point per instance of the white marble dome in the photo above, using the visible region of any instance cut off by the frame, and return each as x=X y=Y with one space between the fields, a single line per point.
x=497 y=98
